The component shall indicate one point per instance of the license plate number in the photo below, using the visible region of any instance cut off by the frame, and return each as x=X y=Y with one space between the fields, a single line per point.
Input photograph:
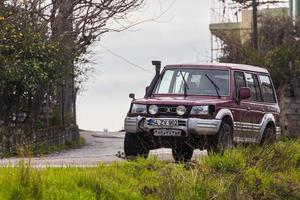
x=162 y=122
x=167 y=132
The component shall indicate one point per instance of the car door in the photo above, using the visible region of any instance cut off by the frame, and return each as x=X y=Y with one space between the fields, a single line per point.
x=241 y=110
x=270 y=105
x=256 y=106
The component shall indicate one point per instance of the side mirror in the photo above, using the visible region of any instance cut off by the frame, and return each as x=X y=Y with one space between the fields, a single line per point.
x=147 y=88
x=132 y=96
x=244 y=93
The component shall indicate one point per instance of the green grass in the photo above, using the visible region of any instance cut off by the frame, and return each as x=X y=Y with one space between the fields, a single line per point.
x=243 y=173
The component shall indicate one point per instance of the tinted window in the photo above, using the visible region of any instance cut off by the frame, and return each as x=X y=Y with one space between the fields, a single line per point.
x=239 y=82
x=267 y=89
x=252 y=83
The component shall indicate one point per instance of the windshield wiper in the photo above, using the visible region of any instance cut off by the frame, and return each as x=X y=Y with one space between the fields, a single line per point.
x=186 y=87
x=215 y=85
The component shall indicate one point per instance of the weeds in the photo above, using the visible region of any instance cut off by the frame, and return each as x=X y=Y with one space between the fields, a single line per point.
x=271 y=172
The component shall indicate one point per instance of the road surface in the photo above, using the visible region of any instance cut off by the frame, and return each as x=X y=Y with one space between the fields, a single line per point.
x=99 y=148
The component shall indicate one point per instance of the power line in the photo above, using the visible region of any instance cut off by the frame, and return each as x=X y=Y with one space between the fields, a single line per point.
x=126 y=60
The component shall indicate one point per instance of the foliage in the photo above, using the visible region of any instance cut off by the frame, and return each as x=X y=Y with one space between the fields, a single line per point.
x=279 y=49
x=271 y=172
x=30 y=66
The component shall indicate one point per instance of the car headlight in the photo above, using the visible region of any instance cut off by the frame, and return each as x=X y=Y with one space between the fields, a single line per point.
x=181 y=110
x=200 y=110
x=153 y=109
x=139 y=108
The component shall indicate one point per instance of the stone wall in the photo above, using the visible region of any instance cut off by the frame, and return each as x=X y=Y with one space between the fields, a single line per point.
x=290 y=108
x=11 y=139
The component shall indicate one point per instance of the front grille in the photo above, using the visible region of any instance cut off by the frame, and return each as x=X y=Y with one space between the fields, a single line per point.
x=167 y=109
x=170 y=110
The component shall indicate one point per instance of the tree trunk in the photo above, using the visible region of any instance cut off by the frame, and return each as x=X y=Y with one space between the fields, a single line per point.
x=62 y=30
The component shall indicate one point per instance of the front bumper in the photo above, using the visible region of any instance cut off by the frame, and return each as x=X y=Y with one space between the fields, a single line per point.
x=193 y=126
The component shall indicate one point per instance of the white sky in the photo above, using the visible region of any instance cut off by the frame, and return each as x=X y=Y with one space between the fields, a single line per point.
x=181 y=36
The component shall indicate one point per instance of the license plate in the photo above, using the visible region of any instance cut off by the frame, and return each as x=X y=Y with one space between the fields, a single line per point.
x=162 y=122
x=166 y=132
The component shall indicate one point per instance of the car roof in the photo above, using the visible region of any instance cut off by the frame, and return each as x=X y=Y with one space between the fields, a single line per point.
x=231 y=66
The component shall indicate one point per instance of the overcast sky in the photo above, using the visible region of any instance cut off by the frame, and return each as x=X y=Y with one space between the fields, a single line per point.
x=180 y=36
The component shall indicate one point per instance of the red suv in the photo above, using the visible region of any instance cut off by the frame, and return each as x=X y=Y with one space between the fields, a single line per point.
x=202 y=106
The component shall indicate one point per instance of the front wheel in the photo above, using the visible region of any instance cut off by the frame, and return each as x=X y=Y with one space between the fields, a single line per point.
x=135 y=146
x=182 y=153
x=222 y=141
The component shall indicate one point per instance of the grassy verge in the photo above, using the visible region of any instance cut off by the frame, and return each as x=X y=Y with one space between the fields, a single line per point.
x=243 y=173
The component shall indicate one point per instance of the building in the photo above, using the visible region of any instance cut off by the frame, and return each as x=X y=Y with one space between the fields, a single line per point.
x=227 y=17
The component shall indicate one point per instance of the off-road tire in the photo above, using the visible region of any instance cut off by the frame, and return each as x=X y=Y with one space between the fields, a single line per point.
x=182 y=152
x=222 y=141
x=269 y=135
x=135 y=146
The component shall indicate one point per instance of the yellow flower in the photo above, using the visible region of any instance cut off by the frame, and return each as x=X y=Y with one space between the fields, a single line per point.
x=1 y=18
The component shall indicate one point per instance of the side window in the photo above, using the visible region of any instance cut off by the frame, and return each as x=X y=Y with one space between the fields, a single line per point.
x=267 y=89
x=252 y=83
x=239 y=82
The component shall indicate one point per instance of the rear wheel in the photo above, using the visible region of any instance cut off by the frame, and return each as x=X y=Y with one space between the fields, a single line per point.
x=222 y=141
x=182 y=152
x=269 y=136
x=135 y=146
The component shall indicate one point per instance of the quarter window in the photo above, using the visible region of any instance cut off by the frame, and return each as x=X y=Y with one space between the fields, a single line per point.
x=239 y=82
x=252 y=83
x=267 y=89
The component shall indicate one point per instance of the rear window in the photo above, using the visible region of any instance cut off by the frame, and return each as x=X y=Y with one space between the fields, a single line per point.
x=267 y=89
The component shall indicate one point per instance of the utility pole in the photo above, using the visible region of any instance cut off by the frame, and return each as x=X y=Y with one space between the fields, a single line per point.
x=254 y=25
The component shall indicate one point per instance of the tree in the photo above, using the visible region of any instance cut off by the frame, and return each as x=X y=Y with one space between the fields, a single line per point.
x=75 y=25
x=279 y=49
x=30 y=68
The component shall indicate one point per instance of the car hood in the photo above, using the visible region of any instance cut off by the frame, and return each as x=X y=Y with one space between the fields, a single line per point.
x=189 y=100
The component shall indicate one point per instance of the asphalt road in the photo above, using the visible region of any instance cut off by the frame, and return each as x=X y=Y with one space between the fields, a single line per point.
x=99 y=148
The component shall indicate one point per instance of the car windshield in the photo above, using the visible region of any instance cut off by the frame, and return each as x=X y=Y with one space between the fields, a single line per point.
x=195 y=81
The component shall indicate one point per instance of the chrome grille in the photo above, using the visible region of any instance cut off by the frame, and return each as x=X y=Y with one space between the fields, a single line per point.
x=167 y=109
